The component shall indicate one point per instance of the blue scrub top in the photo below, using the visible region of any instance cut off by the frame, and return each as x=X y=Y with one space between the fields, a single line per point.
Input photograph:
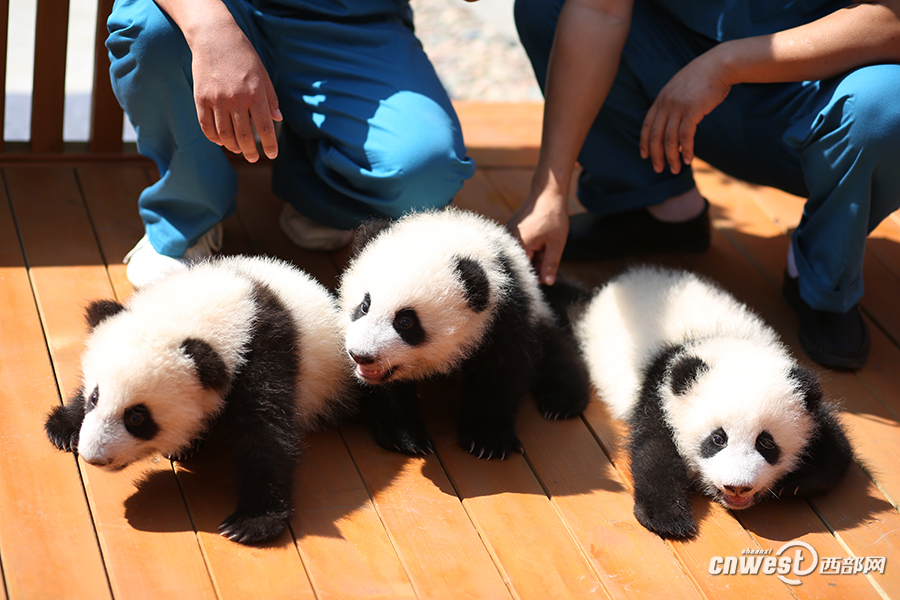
x=723 y=20
x=333 y=8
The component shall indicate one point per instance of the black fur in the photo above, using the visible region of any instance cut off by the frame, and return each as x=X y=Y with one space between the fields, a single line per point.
x=661 y=481
x=261 y=425
x=714 y=443
x=766 y=446
x=406 y=324
x=827 y=455
x=475 y=283
x=366 y=232
x=140 y=423
x=99 y=310
x=394 y=417
x=685 y=372
x=211 y=369
x=362 y=308
x=63 y=424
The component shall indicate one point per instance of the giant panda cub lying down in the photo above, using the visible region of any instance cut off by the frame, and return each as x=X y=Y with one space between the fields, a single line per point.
x=445 y=292
x=247 y=347
x=712 y=397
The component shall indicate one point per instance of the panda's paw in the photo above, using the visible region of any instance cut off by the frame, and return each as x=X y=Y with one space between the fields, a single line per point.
x=667 y=519
x=253 y=527
x=186 y=453
x=489 y=445
x=62 y=430
x=413 y=441
x=555 y=406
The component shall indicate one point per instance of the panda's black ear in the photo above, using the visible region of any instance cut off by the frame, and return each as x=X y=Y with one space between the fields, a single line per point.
x=475 y=283
x=211 y=369
x=685 y=372
x=806 y=383
x=100 y=310
x=366 y=231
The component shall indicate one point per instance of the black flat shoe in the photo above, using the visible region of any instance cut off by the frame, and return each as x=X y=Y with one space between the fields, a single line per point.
x=835 y=340
x=634 y=232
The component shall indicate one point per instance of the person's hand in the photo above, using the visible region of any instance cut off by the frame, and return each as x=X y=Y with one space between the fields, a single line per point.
x=541 y=224
x=233 y=93
x=669 y=127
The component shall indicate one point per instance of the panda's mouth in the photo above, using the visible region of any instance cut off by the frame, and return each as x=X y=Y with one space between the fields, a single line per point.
x=373 y=373
x=736 y=502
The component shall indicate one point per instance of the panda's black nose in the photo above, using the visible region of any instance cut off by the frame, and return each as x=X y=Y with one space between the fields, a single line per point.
x=362 y=359
x=737 y=491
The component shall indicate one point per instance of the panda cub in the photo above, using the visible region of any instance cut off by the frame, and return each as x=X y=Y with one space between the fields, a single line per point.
x=712 y=397
x=247 y=347
x=447 y=292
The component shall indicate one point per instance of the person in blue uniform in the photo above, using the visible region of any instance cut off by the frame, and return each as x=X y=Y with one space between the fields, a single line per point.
x=366 y=128
x=798 y=95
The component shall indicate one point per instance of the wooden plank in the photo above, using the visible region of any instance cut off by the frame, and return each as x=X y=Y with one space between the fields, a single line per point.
x=439 y=547
x=501 y=133
x=511 y=512
x=597 y=505
x=139 y=513
x=338 y=531
x=43 y=509
x=106 y=114
x=49 y=87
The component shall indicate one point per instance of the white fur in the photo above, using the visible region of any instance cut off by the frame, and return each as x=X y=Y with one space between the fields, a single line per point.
x=411 y=265
x=134 y=357
x=746 y=390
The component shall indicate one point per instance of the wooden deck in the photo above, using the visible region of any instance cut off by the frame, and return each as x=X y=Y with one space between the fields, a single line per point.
x=554 y=523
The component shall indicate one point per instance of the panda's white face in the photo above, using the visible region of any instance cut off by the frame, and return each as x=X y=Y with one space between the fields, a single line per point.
x=418 y=298
x=138 y=401
x=738 y=418
x=409 y=331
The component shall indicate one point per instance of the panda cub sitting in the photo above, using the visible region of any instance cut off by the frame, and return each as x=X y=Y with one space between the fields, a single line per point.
x=247 y=347
x=444 y=292
x=712 y=397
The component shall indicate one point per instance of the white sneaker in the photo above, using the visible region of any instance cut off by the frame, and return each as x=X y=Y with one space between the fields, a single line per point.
x=308 y=234
x=146 y=265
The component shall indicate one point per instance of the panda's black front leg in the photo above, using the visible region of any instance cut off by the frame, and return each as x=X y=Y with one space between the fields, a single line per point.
x=562 y=388
x=393 y=415
x=493 y=389
x=825 y=460
x=264 y=456
x=63 y=424
x=661 y=482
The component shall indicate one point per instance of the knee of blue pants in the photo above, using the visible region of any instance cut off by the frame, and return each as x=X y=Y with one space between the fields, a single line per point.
x=412 y=158
x=849 y=156
x=147 y=51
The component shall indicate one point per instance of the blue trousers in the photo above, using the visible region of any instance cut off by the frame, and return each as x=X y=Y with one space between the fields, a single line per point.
x=368 y=129
x=836 y=142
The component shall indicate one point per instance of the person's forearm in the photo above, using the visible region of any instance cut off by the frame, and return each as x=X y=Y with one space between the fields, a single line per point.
x=583 y=64
x=197 y=16
x=859 y=35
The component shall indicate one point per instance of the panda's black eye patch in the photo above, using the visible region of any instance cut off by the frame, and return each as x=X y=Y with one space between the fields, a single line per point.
x=362 y=308
x=93 y=399
x=139 y=422
x=407 y=325
x=766 y=446
x=714 y=443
